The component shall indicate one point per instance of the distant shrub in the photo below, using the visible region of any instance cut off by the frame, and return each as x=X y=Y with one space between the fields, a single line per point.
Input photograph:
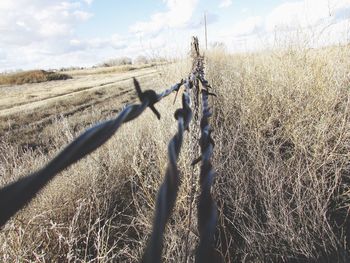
x=117 y=62
x=218 y=46
x=141 y=60
x=32 y=76
x=57 y=76
x=158 y=60
x=71 y=68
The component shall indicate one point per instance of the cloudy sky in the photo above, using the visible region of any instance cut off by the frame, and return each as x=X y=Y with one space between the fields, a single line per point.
x=61 y=33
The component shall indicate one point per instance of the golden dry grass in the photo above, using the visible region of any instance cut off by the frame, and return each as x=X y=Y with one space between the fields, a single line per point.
x=281 y=127
x=32 y=76
x=29 y=97
x=282 y=155
x=112 y=70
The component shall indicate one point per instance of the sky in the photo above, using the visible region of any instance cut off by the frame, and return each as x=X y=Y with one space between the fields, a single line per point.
x=62 y=33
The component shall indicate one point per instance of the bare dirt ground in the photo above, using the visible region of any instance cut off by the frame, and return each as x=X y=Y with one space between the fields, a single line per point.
x=26 y=110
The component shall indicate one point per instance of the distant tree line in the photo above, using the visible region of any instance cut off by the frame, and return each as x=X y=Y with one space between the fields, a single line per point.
x=128 y=61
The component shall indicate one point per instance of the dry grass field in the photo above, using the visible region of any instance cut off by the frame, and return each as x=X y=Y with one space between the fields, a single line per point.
x=281 y=128
x=27 y=109
x=32 y=76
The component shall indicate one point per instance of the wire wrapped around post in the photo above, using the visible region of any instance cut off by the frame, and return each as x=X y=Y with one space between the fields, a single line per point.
x=168 y=190
x=16 y=195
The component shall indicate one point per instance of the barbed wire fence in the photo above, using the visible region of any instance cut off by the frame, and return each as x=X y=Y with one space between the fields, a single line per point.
x=14 y=196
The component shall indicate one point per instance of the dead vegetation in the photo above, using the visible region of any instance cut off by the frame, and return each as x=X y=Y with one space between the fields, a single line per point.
x=281 y=127
x=111 y=69
x=282 y=156
x=32 y=76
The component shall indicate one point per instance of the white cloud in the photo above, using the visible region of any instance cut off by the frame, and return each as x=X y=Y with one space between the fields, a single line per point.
x=316 y=22
x=43 y=35
x=82 y=15
x=249 y=26
x=296 y=14
x=178 y=15
x=115 y=41
x=32 y=30
x=25 y=21
x=225 y=3
x=244 y=10
x=305 y=13
x=312 y=22
x=89 y=2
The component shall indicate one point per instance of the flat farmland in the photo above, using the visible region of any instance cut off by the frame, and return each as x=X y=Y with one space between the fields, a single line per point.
x=26 y=110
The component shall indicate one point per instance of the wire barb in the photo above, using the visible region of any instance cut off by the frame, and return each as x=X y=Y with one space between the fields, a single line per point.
x=150 y=95
x=16 y=195
x=178 y=89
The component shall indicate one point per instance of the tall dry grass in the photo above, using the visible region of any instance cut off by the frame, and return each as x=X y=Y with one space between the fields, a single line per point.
x=282 y=156
x=100 y=209
x=281 y=127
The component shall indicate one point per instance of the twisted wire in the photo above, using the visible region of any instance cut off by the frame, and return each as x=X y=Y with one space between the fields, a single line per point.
x=168 y=190
x=16 y=195
x=207 y=210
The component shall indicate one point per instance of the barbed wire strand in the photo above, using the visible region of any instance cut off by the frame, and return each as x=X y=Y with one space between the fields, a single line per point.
x=207 y=210
x=16 y=195
x=194 y=151
x=168 y=190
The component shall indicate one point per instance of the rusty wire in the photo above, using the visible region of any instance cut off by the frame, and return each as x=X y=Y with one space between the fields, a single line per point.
x=168 y=190
x=16 y=195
